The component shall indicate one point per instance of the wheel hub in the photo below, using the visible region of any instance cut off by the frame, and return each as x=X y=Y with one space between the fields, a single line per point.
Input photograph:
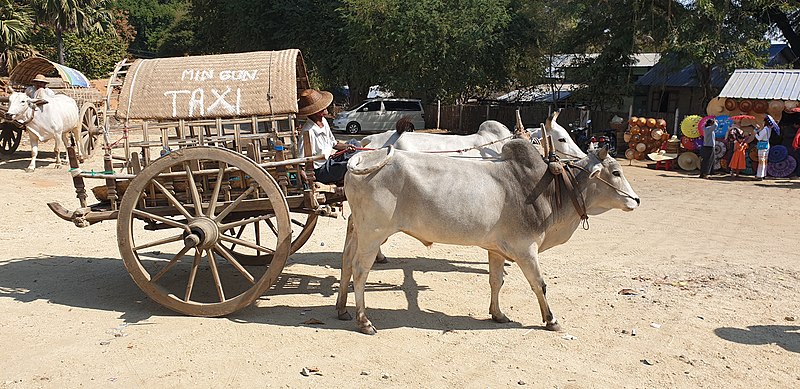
x=206 y=232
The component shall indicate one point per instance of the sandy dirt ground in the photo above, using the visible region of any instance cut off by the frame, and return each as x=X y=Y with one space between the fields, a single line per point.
x=714 y=266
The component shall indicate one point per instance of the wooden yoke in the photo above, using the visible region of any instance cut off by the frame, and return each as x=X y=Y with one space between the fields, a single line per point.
x=308 y=170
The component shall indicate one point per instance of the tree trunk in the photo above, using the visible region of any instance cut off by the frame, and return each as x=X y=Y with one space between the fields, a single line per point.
x=792 y=38
x=60 y=38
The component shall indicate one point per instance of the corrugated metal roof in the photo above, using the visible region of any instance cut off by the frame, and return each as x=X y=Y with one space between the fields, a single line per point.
x=781 y=84
x=664 y=75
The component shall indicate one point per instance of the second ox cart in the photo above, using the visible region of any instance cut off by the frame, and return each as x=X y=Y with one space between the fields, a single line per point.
x=202 y=175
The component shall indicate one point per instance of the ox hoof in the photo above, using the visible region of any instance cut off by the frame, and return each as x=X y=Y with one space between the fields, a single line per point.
x=380 y=258
x=345 y=316
x=57 y=165
x=553 y=327
x=29 y=170
x=501 y=318
x=368 y=330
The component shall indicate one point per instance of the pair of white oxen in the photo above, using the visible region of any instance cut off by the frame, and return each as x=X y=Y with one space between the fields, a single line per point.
x=502 y=197
x=46 y=117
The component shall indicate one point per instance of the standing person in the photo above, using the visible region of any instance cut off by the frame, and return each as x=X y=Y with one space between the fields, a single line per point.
x=762 y=136
x=38 y=88
x=707 y=152
x=738 y=161
x=314 y=104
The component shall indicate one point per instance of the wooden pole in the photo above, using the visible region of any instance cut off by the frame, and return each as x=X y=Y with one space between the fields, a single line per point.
x=438 y=113
x=675 y=126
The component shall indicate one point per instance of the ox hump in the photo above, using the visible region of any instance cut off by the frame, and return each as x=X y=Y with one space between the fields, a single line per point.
x=523 y=153
x=495 y=128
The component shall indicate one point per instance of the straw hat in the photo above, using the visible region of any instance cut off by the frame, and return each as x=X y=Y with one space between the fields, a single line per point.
x=775 y=106
x=790 y=104
x=629 y=154
x=689 y=161
x=657 y=134
x=716 y=106
x=760 y=106
x=745 y=106
x=661 y=155
x=312 y=101
x=661 y=123
x=731 y=104
x=40 y=78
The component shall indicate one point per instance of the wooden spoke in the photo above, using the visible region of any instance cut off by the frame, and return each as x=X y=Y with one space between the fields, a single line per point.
x=159 y=242
x=228 y=226
x=171 y=263
x=198 y=204
x=272 y=227
x=212 y=263
x=217 y=186
x=221 y=250
x=193 y=275
x=235 y=203
x=148 y=215
x=180 y=281
x=246 y=244
x=172 y=200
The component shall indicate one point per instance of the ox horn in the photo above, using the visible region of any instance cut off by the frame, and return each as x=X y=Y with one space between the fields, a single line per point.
x=544 y=127
x=520 y=127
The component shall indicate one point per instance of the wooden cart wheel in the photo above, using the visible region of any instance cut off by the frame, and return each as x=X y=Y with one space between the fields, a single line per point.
x=263 y=232
x=10 y=136
x=174 y=217
x=90 y=127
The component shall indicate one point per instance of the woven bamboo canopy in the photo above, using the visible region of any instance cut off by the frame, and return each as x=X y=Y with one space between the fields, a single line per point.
x=25 y=71
x=213 y=86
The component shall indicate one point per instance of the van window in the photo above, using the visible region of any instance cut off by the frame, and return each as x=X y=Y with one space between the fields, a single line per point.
x=402 y=106
x=371 y=107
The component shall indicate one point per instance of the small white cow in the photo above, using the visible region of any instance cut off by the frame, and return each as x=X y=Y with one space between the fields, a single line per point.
x=49 y=117
x=506 y=207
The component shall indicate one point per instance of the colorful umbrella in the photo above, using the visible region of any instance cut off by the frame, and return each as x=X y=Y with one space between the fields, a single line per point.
x=742 y=117
x=773 y=124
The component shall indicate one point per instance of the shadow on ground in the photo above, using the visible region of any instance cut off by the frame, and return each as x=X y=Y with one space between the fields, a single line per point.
x=786 y=337
x=104 y=284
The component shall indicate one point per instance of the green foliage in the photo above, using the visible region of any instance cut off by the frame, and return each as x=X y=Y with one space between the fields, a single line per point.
x=15 y=28
x=95 y=54
x=152 y=19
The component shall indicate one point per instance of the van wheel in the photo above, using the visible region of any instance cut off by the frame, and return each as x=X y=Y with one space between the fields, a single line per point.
x=353 y=128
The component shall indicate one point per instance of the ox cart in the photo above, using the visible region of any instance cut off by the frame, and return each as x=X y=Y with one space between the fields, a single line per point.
x=202 y=175
x=64 y=80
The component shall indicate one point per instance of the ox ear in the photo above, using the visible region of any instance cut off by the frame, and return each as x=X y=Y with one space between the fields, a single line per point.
x=596 y=170
x=602 y=153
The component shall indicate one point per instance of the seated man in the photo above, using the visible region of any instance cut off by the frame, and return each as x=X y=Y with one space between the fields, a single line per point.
x=38 y=88
x=314 y=104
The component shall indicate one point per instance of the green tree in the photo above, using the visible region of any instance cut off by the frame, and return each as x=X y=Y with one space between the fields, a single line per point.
x=151 y=20
x=81 y=16
x=94 y=54
x=15 y=29
x=430 y=48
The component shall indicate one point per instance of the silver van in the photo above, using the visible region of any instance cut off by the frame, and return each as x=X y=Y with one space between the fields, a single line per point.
x=377 y=115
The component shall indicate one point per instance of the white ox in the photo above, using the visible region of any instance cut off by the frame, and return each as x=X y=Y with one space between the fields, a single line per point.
x=562 y=142
x=49 y=117
x=506 y=207
x=486 y=143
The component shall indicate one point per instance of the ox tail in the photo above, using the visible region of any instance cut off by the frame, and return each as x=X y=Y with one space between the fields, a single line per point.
x=370 y=161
